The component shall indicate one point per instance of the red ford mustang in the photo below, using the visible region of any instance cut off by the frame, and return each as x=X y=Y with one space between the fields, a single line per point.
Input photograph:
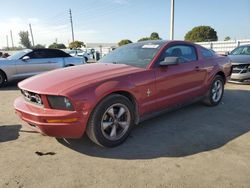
x=129 y=85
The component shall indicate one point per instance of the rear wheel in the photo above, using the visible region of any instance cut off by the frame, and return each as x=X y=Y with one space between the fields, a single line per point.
x=111 y=121
x=215 y=92
x=3 y=79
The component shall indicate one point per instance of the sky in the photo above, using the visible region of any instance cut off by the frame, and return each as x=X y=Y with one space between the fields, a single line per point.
x=100 y=21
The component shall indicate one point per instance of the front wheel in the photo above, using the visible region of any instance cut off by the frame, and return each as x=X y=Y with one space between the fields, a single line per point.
x=215 y=92
x=111 y=121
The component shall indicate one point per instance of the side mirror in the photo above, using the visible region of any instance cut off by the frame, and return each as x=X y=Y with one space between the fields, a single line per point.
x=170 y=61
x=26 y=58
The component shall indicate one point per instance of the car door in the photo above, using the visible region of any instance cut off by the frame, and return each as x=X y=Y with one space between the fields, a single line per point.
x=39 y=61
x=176 y=84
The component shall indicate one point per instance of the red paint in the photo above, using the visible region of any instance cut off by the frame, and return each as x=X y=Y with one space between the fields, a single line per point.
x=86 y=85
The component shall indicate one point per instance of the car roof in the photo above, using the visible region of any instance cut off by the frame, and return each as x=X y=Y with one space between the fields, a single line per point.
x=160 y=42
x=45 y=49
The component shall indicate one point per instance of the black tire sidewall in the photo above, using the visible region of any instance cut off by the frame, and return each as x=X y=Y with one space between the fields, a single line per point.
x=3 y=79
x=97 y=116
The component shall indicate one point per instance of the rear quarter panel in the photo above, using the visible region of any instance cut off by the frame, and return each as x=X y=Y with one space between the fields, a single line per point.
x=213 y=66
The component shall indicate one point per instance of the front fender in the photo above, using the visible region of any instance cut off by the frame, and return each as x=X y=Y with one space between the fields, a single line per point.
x=8 y=69
x=87 y=98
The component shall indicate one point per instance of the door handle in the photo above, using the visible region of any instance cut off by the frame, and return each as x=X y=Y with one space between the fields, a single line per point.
x=197 y=68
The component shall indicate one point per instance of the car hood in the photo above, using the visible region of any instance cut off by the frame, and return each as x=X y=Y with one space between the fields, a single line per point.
x=58 y=81
x=4 y=60
x=239 y=59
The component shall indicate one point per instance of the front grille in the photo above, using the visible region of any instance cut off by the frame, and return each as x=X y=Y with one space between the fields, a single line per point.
x=241 y=69
x=32 y=97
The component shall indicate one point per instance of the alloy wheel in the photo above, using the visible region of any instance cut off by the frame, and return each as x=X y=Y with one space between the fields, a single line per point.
x=115 y=121
x=217 y=90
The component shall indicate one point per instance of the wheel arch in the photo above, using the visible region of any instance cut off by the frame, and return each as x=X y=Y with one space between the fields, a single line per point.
x=4 y=74
x=121 y=92
x=69 y=65
x=132 y=99
x=220 y=73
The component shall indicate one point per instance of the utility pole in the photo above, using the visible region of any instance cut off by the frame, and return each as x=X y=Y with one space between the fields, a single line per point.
x=31 y=33
x=71 y=23
x=11 y=39
x=7 y=40
x=172 y=21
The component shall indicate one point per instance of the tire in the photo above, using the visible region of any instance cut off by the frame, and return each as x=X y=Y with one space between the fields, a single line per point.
x=111 y=121
x=216 y=91
x=3 y=79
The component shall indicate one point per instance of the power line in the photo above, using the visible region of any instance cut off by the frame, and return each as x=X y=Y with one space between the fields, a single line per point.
x=59 y=15
x=31 y=33
x=71 y=23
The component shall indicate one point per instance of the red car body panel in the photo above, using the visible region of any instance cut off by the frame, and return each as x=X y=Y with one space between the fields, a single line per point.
x=36 y=118
x=86 y=85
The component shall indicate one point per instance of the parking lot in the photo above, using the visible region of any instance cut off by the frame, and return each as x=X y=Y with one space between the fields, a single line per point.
x=196 y=146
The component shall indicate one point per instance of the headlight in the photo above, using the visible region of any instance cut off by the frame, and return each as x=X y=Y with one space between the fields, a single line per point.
x=60 y=103
x=38 y=99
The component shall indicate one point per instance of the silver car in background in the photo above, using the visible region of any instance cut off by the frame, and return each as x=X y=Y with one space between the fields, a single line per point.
x=240 y=58
x=28 y=63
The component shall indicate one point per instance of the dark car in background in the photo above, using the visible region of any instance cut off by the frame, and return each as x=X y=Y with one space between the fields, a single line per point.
x=240 y=58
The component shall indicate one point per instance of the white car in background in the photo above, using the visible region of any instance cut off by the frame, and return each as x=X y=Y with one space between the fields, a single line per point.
x=80 y=53
x=28 y=63
x=240 y=58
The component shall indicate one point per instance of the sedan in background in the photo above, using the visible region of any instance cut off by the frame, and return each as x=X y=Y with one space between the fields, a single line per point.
x=240 y=58
x=79 y=53
x=28 y=63
x=133 y=83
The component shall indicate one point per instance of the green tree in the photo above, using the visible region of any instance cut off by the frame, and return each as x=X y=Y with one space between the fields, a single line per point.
x=144 y=39
x=16 y=48
x=124 y=42
x=24 y=39
x=57 y=46
x=38 y=46
x=227 y=38
x=201 y=34
x=76 y=44
x=154 y=36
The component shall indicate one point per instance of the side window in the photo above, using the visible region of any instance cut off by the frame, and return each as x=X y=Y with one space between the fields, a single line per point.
x=206 y=53
x=37 y=54
x=186 y=52
x=52 y=53
x=57 y=53
x=62 y=54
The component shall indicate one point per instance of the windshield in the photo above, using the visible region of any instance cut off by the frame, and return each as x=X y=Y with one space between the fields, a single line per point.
x=19 y=54
x=138 y=54
x=241 y=50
